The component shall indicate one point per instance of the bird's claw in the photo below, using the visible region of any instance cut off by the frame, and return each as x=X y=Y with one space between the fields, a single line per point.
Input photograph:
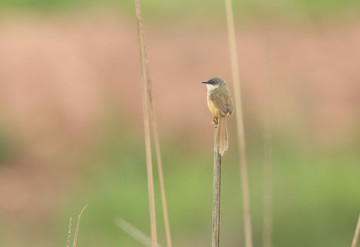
x=215 y=121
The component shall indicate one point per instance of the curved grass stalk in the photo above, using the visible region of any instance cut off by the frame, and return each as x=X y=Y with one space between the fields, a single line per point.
x=240 y=124
x=144 y=78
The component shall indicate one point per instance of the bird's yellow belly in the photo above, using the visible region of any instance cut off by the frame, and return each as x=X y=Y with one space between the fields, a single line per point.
x=213 y=109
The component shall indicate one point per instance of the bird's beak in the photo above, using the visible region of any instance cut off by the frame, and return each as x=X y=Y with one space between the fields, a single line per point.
x=205 y=82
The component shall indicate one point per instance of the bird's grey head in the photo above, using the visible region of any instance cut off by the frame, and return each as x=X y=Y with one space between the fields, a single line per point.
x=213 y=83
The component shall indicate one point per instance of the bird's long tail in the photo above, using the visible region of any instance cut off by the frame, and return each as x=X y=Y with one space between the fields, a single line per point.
x=222 y=141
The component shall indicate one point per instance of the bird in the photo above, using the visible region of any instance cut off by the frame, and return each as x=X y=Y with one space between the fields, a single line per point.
x=220 y=104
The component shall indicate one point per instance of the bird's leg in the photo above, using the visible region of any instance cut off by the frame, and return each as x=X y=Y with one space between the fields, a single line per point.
x=215 y=120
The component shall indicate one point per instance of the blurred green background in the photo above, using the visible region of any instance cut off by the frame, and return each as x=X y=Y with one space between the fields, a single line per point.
x=71 y=130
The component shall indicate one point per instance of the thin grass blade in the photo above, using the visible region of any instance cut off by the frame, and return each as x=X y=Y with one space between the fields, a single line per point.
x=356 y=234
x=69 y=233
x=240 y=124
x=77 y=227
x=145 y=78
x=134 y=232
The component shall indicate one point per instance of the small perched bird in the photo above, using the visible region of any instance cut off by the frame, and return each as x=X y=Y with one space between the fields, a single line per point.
x=220 y=105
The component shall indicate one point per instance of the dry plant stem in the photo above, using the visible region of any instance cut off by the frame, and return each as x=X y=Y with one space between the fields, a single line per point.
x=356 y=234
x=69 y=233
x=267 y=224
x=161 y=178
x=77 y=227
x=240 y=124
x=134 y=232
x=158 y=153
x=144 y=77
x=216 y=195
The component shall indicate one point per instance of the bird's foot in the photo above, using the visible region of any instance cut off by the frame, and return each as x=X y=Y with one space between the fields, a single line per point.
x=215 y=121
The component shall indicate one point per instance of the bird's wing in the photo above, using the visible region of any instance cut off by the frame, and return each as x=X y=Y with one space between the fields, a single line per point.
x=221 y=102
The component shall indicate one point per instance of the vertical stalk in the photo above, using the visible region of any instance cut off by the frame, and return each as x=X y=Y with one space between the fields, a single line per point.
x=69 y=233
x=157 y=148
x=77 y=227
x=144 y=77
x=356 y=234
x=158 y=155
x=216 y=195
x=240 y=124
x=267 y=223
x=161 y=179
